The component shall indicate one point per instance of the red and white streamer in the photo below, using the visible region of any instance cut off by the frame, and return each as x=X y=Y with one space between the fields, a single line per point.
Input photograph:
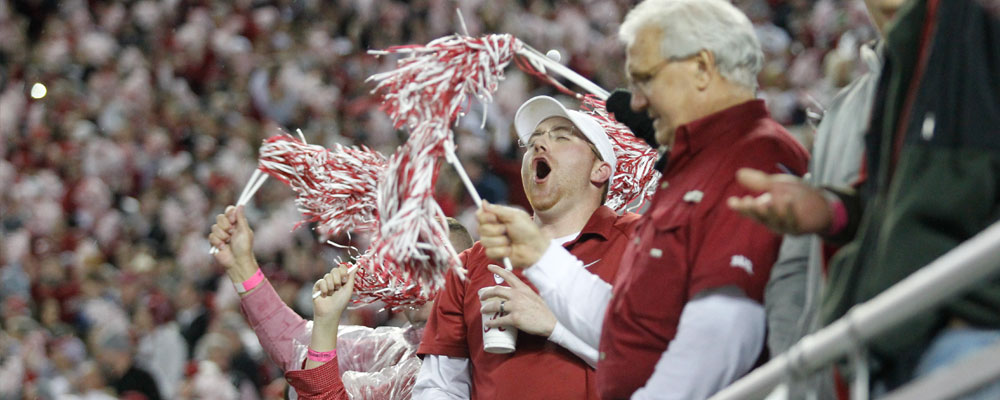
x=635 y=176
x=437 y=79
x=426 y=93
x=336 y=188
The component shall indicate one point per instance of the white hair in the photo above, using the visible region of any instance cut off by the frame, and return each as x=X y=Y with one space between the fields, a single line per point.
x=689 y=26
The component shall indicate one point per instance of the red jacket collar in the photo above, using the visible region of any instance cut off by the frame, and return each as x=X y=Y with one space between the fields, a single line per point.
x=601 y=223
x=721 y=127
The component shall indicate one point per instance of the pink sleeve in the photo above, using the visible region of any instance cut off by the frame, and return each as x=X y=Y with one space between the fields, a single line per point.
x=283 y=333
x=322 y=382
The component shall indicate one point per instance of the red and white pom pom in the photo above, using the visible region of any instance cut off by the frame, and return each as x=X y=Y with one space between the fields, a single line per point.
x=380 y=281
x=435 y=82
x=410 y=253
x=427 y=93
x=635 y=176
x=412 y=232
x=336 y=187
x=391 y=283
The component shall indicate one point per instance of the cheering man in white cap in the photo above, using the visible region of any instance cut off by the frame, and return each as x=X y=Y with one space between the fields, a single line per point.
x=566 y=172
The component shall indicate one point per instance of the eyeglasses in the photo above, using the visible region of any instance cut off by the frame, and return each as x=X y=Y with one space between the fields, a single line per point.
x=556 y=134
x=559 y=134
x=641 y=80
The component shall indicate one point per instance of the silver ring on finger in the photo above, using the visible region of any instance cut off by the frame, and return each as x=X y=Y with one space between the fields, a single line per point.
x=501 y=307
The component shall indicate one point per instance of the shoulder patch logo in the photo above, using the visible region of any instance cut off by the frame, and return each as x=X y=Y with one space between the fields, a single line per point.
x=741 y=261
x=694 y=196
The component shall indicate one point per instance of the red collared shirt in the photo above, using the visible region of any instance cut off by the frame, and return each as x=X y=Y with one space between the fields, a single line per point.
x=538 y=368
x=690 y=240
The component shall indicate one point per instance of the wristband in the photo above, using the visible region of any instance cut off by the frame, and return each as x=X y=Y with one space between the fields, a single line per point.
x=838 y=213
x=321 y=356
x=251 y=283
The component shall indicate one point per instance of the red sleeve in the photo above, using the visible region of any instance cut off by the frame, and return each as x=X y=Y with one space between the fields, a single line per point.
x=322 y=382
x=445 y=333
x=732 y=250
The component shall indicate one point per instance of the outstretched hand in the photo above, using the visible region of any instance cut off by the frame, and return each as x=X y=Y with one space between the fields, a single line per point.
x=523 y=308
x=787 y=206
x=509 y=232
x=232 y=235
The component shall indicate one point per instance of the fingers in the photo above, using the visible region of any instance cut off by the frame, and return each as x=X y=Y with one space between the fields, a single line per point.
x=241 y=218
x=502 y=292
x=349 y=283
x=777 y=215
x=340 y=280
x=504 y=214
x=222 y=221
x=494 y=241
x=741 y=205
x=497 y=246
x=332 y=280
x=322 y=287
x=755 y=207
x=508 y=276
x=231 y=214
x=220 y=233
x=754 y=180
x=485 y=217
x=764 y=205
x=216 y=240
x=497 y=253
x=492 y=229
x=506 y=320
x=492 y=306
x=493 y=236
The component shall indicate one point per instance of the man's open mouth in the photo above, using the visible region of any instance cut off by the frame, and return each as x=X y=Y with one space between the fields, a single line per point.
x=542 y=169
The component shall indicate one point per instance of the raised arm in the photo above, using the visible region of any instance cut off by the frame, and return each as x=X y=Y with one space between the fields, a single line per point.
x=282 y=333
x=321 y=377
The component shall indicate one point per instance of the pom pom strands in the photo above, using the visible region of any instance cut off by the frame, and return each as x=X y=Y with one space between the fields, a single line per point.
x=384 y=281
x=426 y=93
x=336 y=188
x=635 y=176
x=434 y=82
x=412 y=242
x=339 y=188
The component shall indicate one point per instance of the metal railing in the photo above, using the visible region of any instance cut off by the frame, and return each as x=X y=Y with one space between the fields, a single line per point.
x=969 y=263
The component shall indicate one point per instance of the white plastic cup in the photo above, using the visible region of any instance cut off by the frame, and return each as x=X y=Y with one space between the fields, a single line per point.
x=501 y=340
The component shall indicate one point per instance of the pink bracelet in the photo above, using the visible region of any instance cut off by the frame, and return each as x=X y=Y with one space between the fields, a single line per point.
x=321 y=356
x=251 y=283
x=839 y=212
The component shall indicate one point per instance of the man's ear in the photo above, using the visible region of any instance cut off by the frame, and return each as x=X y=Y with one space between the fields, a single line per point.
x=601 y=173
x=705 y=69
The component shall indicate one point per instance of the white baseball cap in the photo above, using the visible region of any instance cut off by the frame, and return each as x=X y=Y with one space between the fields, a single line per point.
x=540 y=108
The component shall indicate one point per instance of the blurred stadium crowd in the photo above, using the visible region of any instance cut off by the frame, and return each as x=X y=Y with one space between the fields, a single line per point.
x=146 y=125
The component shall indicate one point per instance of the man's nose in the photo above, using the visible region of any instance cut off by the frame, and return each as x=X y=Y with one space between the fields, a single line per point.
x=638 y=102
x=541 y=143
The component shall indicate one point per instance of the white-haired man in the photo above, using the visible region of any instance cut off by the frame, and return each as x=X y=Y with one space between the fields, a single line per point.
x=566 y=171
x=684 y=317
